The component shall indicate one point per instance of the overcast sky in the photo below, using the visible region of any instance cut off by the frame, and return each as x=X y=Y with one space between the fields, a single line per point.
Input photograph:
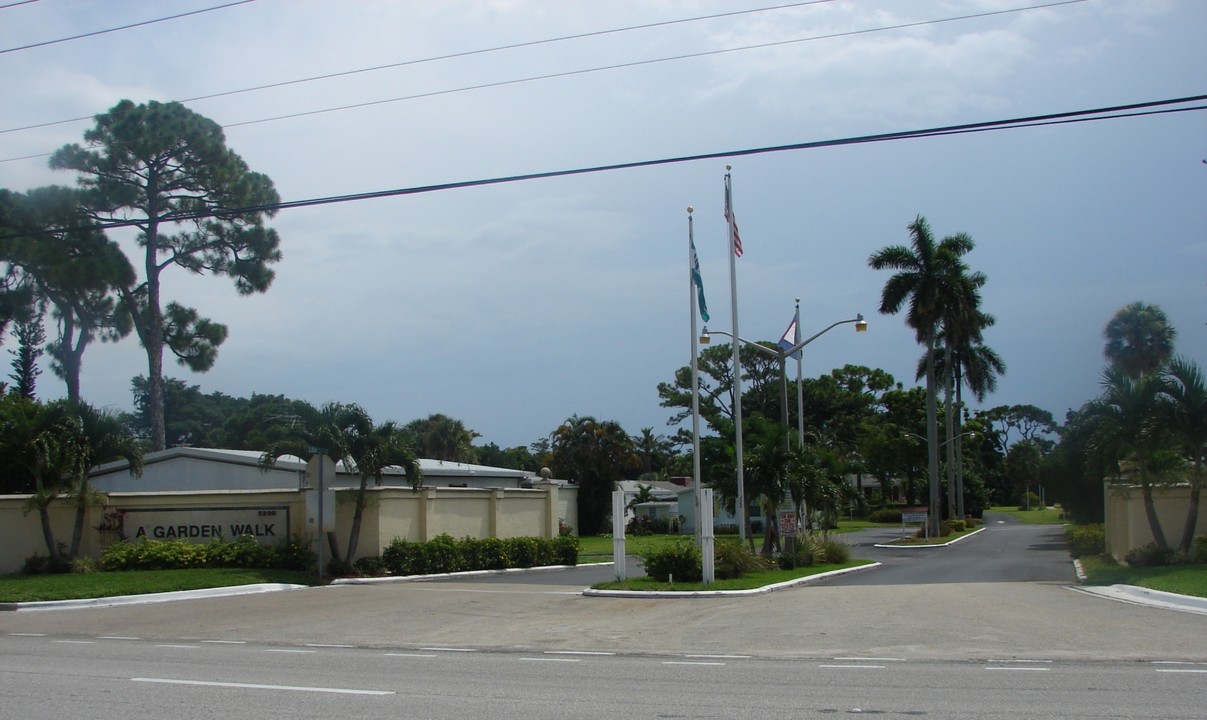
x=512 y=307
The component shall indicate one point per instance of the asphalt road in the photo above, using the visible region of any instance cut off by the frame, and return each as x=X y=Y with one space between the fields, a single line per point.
x=987 y=628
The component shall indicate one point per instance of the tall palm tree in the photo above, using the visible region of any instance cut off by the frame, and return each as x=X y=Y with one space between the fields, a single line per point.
x=1139 y=339
x=347 y=434
x=931 y=279
x=1187 y=418
x=440 y=437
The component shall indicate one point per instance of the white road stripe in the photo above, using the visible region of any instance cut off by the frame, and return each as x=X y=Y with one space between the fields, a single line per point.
x=116 y=637
x=179 y=647
x=411 y=655
x=327 y=645
x=580 y=652
x=1031 y=669
x=721 y=657
x=225 y=642
x=856 y=667
x=27 y=634
x=448 y=649
x=552 y=659
x=1164 y=670
x=869 y=659
x=290 y=650
x=253 y=686
x=684 y=662
x=75 y=642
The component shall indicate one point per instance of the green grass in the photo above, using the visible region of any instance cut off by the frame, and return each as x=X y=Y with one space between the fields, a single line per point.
x=73 y=586
x=1181 y=579
x=1044 y=516
x=746 y=582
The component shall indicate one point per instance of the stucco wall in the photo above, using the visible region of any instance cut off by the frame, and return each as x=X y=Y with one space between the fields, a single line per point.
x=1127 y=524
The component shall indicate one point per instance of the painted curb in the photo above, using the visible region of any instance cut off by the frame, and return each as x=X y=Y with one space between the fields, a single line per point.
x=934 y=545
x=465 y=573
x=1152 y=598
x=725 y=593
x=149 y=597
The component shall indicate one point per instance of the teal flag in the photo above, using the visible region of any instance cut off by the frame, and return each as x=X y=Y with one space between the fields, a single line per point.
x=699 y=283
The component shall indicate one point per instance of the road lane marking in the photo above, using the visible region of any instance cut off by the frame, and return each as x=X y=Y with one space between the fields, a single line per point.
x=290 y=650
x=27 y=634
x=720 y=657
x=179 y=647
x=685 y=662
x=868 y=659
x=411 y=655
x=117 y=637
x=1173 y=670
x=1031 y=669
x=581 y=652
x=327 y=645
x=75 y=642
x=854 y=667
x=225 y=642
x=552 y=659
x=255 y=686
x=448 y=649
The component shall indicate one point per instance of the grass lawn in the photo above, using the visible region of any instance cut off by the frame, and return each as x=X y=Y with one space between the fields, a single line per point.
x=74 y=586
x=1181 y=579
x=1043 y=516
x=746 y=582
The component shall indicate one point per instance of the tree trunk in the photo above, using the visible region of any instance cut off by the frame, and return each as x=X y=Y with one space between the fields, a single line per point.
x=1192 y=512
x=949 y=422
x=932 y=438
x=1150 y=511
x=77 y=530
x=47 y=533
x=357 y=514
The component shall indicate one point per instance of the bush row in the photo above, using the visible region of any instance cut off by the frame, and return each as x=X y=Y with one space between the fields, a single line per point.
x=242 y=552
x=681 y=560
x=1086 y=540
x=445 y=554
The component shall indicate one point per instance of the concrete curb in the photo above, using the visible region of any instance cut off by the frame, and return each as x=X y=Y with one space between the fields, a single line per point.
x=466 y=573
x=149 y=597
x=934 y=545
x=1152 y=598
x=725 y=593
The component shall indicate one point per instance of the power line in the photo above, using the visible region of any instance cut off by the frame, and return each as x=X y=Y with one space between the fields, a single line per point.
x=15 y=4
x=569 y=73
x=449 y=56
x=639 y=63
x=123 y=27
x=1132 y=110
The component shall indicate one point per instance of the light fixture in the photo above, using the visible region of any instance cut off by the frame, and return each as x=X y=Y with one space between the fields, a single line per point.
x=704 y=338
x=861 y=325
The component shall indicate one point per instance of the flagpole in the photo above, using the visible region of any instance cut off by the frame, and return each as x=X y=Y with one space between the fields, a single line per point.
x=800 y=392
x=692 y=289
x=743 y=520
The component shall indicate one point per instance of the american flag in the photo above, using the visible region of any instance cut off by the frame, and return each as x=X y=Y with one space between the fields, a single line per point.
x=733 y=222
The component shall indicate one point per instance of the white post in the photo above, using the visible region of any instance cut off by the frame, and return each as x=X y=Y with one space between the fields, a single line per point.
x=737 y=362
x=618 y=534
x=706 y=535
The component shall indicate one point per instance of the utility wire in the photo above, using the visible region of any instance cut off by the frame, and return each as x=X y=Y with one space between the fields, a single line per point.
x=581 y=71
x=450 y=56
x=123 y=27
x=15 y=4
x=1133 y=110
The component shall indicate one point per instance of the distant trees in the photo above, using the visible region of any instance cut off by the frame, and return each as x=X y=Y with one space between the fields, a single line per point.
x=595 y=454
x=440 y=437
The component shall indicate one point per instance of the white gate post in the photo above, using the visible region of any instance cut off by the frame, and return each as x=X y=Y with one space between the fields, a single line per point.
x=618 y=533
x=706 y=535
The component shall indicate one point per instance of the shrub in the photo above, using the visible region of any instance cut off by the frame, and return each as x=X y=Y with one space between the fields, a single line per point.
x=1031 y=502
x=1086 y=540
x=523 y=551
x=370 y=566
x=1198 y=551
x=885 y=515
x=680 y=559
x=484 y=553
x=403 y=557
x=1150 y=555
x=443 y=555
x=801 y=556
x=293 y=554
x=731 y=559
x=827 y=551
x=565 y=550
x=952 y=526
x=43 y=565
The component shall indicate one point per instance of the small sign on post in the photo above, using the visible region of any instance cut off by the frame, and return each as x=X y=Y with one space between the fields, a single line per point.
x=914 y=517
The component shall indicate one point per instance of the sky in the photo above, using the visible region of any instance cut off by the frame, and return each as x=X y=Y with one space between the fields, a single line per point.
x=513 y=306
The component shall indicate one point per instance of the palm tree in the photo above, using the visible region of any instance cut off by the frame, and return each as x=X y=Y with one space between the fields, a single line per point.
x=43 y=443
x=1139 y=339
x=931 y=278
x=346 y=433
x=104 y=439
x=440 y=437
x=1124 y=432
x=596 y=454
x=1187 y=418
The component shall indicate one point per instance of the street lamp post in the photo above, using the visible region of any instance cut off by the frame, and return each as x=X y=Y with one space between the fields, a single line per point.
x=782 y=354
